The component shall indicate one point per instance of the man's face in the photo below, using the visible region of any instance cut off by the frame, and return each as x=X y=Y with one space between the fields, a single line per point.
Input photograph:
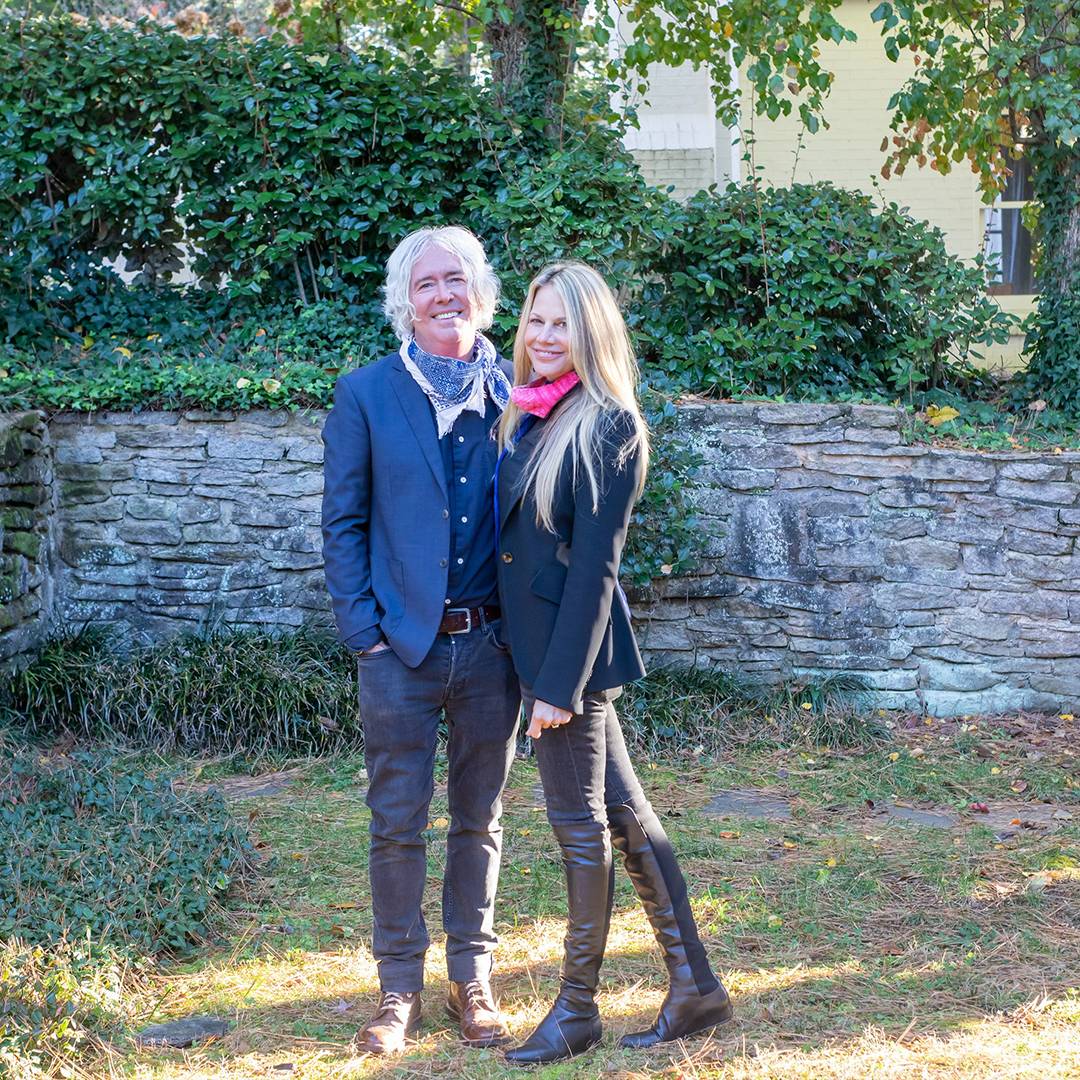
x=439 y=293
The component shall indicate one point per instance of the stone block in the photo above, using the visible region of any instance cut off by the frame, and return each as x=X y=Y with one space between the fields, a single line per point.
x=259 y=514
x=293 y=560
x=102 y=473
x=940 y=465
x=979 y=626
x=879 y=438
x=984 y=559
x=191 y=510
x=307 y=450
x=234 y=448
x=899 y=526
x=1033 y=471
x=1041 y=568
x=943 y=675
x=964 y=528
x=78 y=551
x=110 y=510
x=828 y=504
x=907 y=494
x=923 y=553
x=798 y=414
x=214 y=533
x=1061 y=494
x=159 y=436
x=876 y=416
x=1036 y=518
x=304 y=483
x=77 y=454
x=148 y=508
x=842 y=461
x=149 y=532
x=1035 y=604
x=755 y=480
x=1054 y=645
x=1037 y=543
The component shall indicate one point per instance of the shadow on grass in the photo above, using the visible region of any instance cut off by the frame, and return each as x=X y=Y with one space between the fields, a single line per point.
x=812 y=1008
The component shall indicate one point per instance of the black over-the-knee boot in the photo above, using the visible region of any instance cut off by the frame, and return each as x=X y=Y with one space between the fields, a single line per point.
x=572 y=1024
x=696 y=1000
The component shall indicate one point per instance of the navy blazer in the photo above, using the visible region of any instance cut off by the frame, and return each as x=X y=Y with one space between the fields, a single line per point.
x=386 y=511
x=564 y=615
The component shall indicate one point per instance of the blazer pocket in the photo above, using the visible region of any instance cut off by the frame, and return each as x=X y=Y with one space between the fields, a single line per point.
x=549 y=582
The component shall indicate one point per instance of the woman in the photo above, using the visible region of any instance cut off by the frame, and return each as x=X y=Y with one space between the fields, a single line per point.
x=574 y=456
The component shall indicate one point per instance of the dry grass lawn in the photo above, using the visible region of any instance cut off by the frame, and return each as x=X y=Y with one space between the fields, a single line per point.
x=855 y=944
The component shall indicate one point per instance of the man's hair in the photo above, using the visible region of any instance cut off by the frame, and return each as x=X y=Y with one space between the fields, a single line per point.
x=482 y=283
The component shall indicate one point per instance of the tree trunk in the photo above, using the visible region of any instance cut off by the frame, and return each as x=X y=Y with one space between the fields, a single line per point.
x=533 y=55
x=1054 y=338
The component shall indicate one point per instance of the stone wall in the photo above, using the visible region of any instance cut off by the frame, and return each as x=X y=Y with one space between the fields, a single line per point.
x=171 y=521
x=26 y=505
x=942 y=578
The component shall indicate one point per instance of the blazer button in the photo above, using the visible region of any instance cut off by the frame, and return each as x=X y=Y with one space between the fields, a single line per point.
x=442 y=562
x=507 y=557
x=445 y=514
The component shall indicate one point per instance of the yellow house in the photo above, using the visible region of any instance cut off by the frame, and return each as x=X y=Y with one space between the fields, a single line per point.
x=679 y=142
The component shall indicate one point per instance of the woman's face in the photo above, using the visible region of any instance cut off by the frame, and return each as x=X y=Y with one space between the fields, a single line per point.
x=547 y=343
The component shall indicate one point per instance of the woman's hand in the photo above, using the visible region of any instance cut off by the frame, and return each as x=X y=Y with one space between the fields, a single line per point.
x=545 y=716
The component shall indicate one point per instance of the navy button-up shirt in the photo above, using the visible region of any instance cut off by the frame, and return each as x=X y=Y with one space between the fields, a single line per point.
x=468 y=453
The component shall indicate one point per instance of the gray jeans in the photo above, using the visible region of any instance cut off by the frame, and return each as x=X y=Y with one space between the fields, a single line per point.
x=467 y=679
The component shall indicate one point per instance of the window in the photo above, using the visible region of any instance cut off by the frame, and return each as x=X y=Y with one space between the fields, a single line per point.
x=1007 y=243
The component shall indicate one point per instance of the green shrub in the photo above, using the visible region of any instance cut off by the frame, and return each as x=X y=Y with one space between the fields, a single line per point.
x=241 y=691
x=793 y=290
x=93 y=848
x=709 y=711
x=53 y=1001
x=290 y=177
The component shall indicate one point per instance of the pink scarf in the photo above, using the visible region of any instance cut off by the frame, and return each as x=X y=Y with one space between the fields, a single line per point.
x=540 y=396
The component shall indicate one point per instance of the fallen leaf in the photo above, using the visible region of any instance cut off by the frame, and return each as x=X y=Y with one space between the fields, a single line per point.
x=891 y=949
x=790 y=844
x=727 y=835
x=440 y=823
x=271 y=386
x=242 y=383
x=1037 y=883
x=830 y=862
x=894 y=756
x=345 y=905
x=1061 y=815
x=1019 y=786
x=936 y=415
x=979 y=808
x=340 y=931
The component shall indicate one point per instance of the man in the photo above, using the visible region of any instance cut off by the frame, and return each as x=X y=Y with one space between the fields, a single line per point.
x=409 y=546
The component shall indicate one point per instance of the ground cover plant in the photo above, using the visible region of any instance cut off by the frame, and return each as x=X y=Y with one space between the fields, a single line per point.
x=103 y=862
x=855 y=942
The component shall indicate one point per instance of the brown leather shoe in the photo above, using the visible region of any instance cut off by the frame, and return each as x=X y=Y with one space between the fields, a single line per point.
x=473 y=1006
x=397 y=1017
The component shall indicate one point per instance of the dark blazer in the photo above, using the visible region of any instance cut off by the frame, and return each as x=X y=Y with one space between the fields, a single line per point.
x=565 y=617
x=385 y=511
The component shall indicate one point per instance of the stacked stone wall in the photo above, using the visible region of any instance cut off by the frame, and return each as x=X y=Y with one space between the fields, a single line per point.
x=26 y=506
x=946 y=579
x=943 y=579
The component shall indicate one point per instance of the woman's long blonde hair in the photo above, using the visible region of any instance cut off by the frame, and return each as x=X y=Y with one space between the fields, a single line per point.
x=603 y=357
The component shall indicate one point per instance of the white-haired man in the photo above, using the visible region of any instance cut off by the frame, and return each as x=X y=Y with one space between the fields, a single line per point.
x=409 y=546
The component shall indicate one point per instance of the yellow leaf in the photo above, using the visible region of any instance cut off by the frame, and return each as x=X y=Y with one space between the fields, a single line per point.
x=806 y=705
x=894 y=756
x=241 y=383
x=937 y=415
x=260 y=332
x=441 y=823
x=524 y=832
x=152 y=337
x=790 y=844
x=830 y=862
x=728 y=29
x=525 y=871
x=126 y=353
x=87 y=342
x=3 y=372
x=994 y=771
x=1066 y=716
x=271 y=386
x=297 y=855
x=345 y=905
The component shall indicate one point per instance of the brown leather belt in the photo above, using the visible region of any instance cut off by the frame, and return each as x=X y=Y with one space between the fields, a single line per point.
x=461 y=620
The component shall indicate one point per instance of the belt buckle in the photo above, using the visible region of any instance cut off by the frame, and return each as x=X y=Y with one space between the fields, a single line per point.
x=468 y=619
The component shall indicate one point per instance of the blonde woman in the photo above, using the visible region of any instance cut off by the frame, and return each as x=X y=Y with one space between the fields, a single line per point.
x=574 y=452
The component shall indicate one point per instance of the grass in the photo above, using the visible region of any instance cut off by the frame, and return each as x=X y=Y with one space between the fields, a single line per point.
x=854 y=944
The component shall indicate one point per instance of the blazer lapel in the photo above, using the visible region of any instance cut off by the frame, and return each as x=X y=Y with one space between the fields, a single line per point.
x=414 y=404
x=510 y=472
